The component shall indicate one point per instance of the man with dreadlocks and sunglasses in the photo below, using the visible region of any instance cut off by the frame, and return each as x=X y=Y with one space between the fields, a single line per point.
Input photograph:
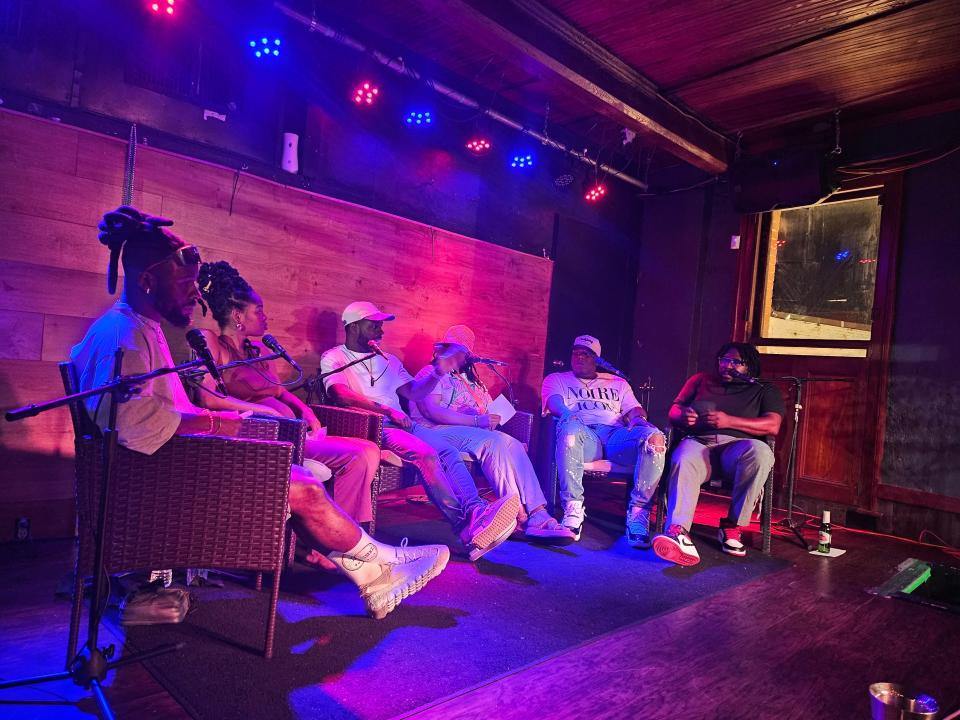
x=160 y=283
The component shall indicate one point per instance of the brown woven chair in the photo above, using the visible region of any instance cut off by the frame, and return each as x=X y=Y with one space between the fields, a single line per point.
x=350 y=422
x=198 y=501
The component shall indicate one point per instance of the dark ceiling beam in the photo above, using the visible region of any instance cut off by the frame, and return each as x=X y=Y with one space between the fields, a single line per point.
x=530 y=34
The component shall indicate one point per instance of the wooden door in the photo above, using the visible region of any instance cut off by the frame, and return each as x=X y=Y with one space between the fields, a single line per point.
x=816 y=297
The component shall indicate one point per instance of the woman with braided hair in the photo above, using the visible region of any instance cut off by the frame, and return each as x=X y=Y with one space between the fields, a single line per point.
x=160 y=283
x=238 y=310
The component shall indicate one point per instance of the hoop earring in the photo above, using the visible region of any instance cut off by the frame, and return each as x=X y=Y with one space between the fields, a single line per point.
x=239 y=326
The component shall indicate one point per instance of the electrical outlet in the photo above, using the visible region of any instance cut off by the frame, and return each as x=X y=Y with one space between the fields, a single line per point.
x=21 y=531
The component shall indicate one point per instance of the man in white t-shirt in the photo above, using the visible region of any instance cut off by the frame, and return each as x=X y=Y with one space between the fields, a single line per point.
x=599 y=417
x=376 y=384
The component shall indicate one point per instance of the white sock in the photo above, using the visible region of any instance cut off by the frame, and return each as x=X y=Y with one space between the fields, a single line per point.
x=362 y=562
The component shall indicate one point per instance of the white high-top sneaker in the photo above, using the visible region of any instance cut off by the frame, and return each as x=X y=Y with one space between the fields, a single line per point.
x=573 y=514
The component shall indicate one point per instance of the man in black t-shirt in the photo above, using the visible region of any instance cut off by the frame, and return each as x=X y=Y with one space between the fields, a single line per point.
x=726 y=416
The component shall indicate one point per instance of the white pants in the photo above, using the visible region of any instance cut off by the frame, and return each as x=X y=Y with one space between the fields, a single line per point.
x=503 y=460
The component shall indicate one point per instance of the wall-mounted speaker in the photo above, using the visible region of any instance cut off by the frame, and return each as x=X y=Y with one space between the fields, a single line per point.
x=788 y=178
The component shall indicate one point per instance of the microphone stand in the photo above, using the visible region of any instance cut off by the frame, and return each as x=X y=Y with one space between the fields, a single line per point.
x=788 y=522
x=91 y=665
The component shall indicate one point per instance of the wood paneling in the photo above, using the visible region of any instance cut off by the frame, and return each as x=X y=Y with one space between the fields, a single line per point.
x=307 y=255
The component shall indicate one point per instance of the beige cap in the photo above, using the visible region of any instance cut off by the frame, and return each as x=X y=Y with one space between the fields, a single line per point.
x=461 y=336
x=589 y=342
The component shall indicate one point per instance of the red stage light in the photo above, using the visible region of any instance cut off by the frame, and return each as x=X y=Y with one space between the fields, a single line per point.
x=595 y=193
x=478 y=145
x=365 y=94
x=167 y=6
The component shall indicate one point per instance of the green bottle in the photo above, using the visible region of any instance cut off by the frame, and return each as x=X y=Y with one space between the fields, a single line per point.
x=823 y=544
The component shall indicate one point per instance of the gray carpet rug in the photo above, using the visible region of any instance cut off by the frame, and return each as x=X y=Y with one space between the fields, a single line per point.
x=474 y=622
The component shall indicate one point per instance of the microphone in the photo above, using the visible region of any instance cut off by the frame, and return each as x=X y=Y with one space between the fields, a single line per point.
x=199 y=345
x=476 y=360
x=271 y=342
x=744 y=377
x=375 y=348
x=608 y=367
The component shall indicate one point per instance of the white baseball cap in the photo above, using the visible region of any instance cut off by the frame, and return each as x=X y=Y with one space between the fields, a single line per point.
x=589 y=342
x=363 y=310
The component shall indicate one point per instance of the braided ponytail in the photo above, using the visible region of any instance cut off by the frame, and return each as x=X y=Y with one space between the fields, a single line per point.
x=128 y=225
x=224 y=290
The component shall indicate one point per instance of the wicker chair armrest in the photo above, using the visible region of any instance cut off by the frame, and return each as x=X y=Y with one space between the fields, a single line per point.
x=520 y=426
x=350 y=422
x=259 y=428
x=291 y=430
x=199 y=501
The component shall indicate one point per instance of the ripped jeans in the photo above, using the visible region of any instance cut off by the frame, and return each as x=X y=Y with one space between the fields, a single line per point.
x=642 y=446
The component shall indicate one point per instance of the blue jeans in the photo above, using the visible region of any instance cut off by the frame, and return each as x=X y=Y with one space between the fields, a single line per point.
x=446 y=479
x=642 y=446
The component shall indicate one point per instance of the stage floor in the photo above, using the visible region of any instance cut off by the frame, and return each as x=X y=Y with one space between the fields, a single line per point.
x=801 y=642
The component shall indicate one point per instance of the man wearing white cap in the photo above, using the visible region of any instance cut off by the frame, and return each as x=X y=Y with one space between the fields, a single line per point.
x=376 y=384
x=599 y=417
x=458 y=408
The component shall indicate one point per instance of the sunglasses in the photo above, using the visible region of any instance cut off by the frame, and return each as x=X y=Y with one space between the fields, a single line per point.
x=185 y=255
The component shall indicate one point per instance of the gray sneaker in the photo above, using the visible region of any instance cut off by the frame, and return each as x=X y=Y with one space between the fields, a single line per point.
x=638 y=528
x=490 y=526
x=402 y=579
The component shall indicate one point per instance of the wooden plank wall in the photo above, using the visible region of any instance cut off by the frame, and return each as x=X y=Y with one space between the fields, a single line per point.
x=307 y=255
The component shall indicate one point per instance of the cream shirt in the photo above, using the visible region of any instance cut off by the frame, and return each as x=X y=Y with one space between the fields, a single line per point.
x=151 y=417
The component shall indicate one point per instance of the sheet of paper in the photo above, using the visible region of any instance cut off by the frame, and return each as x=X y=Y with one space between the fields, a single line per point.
x=502 y=407
x=834 y=552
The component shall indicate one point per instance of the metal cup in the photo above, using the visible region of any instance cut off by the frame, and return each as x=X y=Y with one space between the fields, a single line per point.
x=888 y=702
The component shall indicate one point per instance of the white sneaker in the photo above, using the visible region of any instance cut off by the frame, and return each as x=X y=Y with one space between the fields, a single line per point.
x=402 y=579
x=573 y=515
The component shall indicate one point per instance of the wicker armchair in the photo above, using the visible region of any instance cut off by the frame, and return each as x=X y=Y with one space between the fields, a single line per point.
x=349 y=422
x=199 y=501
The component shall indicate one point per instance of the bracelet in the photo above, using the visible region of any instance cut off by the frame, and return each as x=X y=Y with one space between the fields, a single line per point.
x=219 y=423
x=209 y=417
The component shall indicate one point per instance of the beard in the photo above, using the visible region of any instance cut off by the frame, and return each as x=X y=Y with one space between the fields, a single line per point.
x=179 y=316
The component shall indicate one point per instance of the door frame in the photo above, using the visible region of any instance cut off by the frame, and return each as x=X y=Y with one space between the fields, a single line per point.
x=889 y=189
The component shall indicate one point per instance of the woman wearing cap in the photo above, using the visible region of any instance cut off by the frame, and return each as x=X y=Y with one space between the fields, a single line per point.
x=238 y=310
x=457 y=410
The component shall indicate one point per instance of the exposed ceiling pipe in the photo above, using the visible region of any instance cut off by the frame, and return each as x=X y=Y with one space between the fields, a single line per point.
x=401 y=68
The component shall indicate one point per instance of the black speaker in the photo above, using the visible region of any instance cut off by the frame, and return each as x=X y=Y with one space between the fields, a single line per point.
x=788 y=178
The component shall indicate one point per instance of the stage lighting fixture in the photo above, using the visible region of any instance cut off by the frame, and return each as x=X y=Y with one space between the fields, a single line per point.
x=419 y=118
x=522 y=161
x=265 y=47
x=365 y=93
x=595 y=193
x=842 y=255
x=478 y=146
x=164 y=6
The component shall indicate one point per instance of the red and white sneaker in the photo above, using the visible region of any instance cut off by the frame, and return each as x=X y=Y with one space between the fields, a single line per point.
x=676 y=546
x=731 y=541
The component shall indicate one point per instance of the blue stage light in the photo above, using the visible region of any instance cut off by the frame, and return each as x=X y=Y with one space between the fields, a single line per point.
x=265 y=47
x=842 y=255
x=522 y=161
x=419 y=118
